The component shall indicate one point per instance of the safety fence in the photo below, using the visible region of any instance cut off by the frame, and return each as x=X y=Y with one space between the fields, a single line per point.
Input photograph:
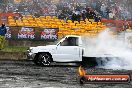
x=119 y=24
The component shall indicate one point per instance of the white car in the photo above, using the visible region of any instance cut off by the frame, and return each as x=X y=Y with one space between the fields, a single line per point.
x=68 y=49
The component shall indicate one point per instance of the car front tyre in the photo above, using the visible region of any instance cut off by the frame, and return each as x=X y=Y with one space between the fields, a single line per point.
x=43 y=59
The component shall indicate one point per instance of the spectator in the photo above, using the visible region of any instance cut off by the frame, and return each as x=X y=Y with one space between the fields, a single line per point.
x=74 y=17
x=78 y=17
x=97 y=18
x=83 y=15
x=2 y=36
x=103 y=10
x=3 y=30
x=92 y=14
x=88 y=15
x=126 y=26
x=98 y=6
x=111 y=16
x=62 y=16
x=93 y=4
x=107 y=12
x=36 y=14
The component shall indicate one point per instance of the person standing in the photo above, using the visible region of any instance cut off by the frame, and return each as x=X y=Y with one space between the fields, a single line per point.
x=2 y=35
x=103 y=10
x=73 y=17
x=83 y=15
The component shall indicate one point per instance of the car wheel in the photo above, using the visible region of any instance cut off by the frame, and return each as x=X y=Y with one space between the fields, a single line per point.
x=43 y=59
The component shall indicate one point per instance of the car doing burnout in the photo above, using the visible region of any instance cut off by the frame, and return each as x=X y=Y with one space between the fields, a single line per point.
x=68 y=49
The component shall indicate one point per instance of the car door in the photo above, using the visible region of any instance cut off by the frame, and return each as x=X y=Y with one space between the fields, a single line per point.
x=68 y=50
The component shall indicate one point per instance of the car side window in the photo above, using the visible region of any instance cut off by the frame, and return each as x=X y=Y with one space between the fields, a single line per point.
x=70 y=41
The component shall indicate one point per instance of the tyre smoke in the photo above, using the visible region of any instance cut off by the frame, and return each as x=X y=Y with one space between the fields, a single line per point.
x=114 y=53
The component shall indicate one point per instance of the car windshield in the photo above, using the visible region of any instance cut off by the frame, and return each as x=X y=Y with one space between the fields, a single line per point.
x=56 y=42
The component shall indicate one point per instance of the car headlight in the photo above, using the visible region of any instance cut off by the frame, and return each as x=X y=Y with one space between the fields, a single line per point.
x=29 y=50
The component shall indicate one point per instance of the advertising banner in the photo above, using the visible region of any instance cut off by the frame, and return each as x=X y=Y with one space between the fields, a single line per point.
x=48 y=34
x=8 y=34
x=26 y=33
x=31 y=33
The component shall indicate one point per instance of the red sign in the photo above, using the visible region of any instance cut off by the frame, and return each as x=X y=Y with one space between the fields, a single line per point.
x=109 y=78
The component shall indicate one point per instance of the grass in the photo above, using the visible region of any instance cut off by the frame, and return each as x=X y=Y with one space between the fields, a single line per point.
x=15 y=49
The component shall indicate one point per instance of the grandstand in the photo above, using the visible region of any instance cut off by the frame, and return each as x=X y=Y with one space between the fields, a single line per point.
x=90 y=28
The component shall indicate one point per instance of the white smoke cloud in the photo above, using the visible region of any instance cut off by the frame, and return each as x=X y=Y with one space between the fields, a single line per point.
x=105 y=44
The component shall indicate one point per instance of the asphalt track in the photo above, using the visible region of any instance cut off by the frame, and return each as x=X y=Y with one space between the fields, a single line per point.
x=24 y=74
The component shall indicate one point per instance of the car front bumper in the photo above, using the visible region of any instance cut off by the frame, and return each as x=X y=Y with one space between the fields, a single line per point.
x=30 y=56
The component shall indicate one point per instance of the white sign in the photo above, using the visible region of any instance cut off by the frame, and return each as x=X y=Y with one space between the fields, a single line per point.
x=8 y=34
x=49 y=34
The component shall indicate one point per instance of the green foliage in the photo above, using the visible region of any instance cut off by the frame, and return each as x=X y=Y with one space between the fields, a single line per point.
x=15 y=49
x=2 y=42
x=5 y=48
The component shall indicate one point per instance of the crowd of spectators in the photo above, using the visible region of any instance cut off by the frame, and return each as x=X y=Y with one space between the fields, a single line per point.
x=33 y=7
x=73 y=9
x=88 y=13
x=113 y=9
x=109 y=9
x=78 y=12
